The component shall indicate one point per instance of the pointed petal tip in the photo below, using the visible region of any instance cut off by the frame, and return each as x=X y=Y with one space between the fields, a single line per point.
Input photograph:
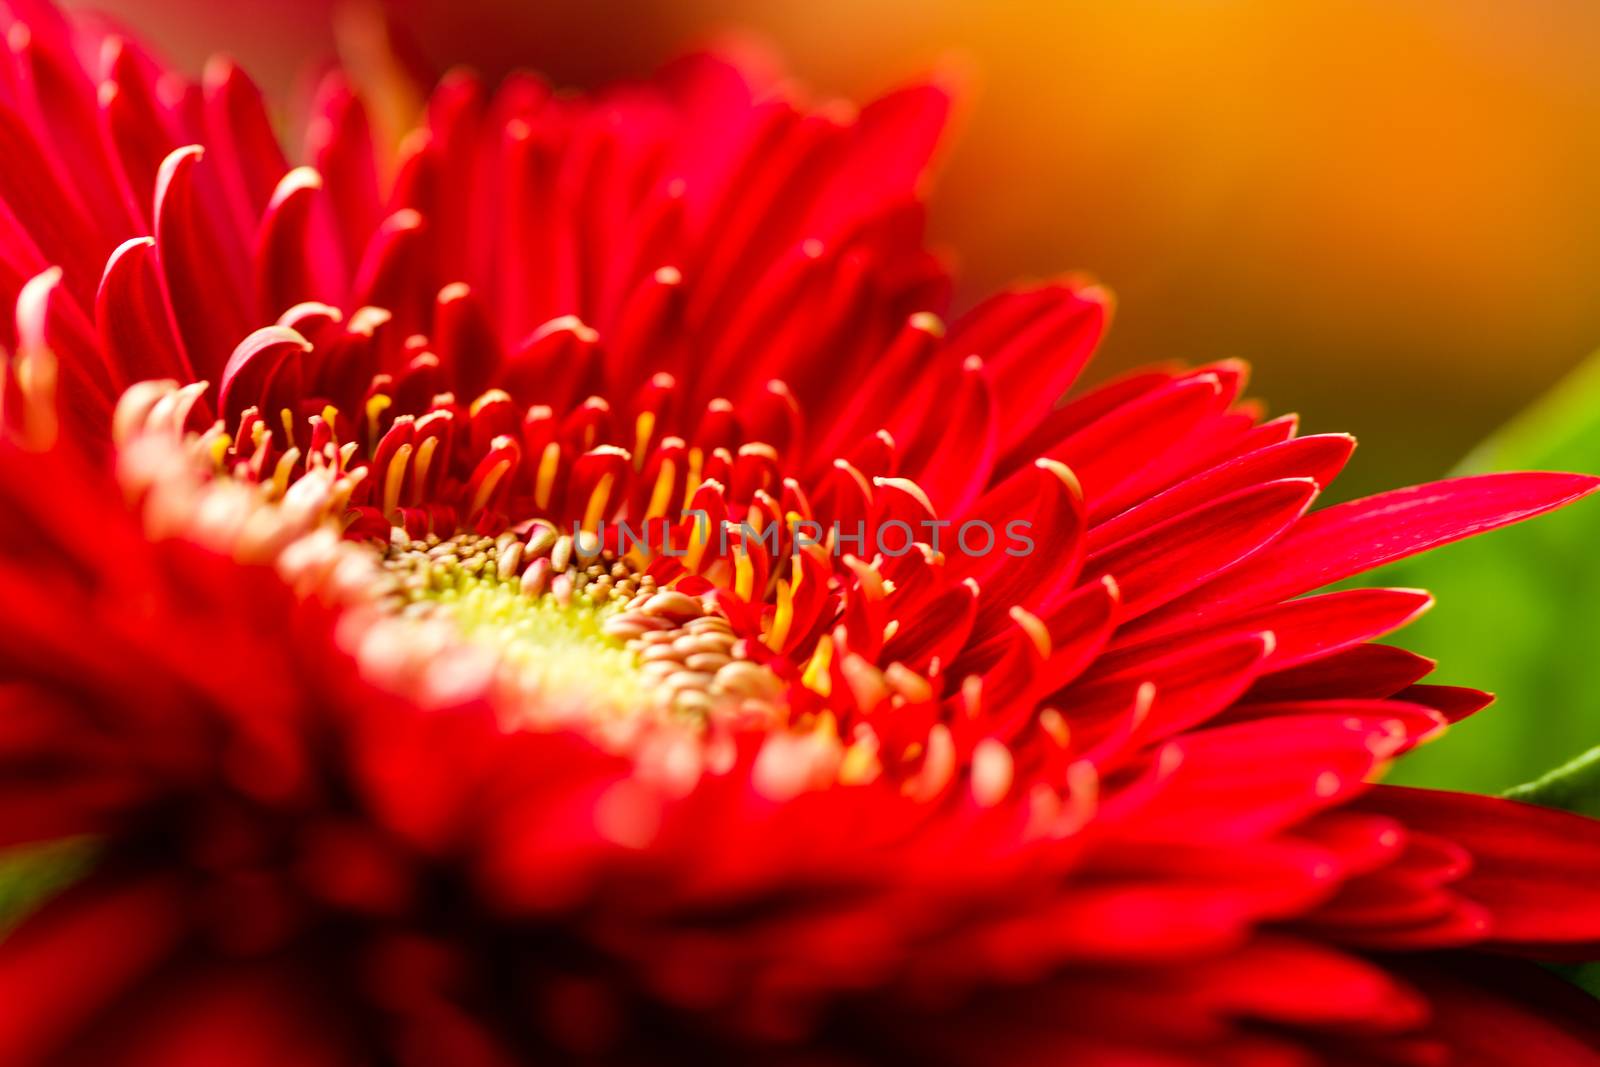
x=296 y=180
x=220 y=68
x=406 y=218
x=569 y=324
x=1079 y=285
x=460 y=75
x=307 y=309
x=1306 y=488
x=181 y=154
x=1536 y=491
x=131 y=243
x=1583 y=484
x=1422 y=602
x=1095 y=292
x=1063 y=472
x=33 y=304
x=366 y=320
x=111 y=48
x=274 y=335
x=45 y=280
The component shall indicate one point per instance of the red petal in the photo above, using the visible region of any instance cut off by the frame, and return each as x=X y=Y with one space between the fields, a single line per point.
x=469 y=350
x=1172 y=558
x=889 y=148
x=1318 y=458
x=1534 y=868
x=1120 y=443
x=1311 y=627
x=41 y=198
x=1454 y=702
x=71 y=959
x=339 y=145
x=1362 y=671
x=240 y=1014
x=396 y=274
x=139 y=128
x=288 y=267
x=1329 y=988
x=64 y=107
x=1351 y=538
x=1081 y=411
x=253 y=369
x=883 y=386
x=1256 y=778
x=1496 y=1012
x=963 y=440
x=1035 y=361
x=247 y=151
x=1034 y=532
x=135 y=328
x=1190 y=686
x=208 y=307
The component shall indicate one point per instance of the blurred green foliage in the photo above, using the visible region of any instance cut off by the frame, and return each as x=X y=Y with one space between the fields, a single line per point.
x=1518 y=612
x=31 y=874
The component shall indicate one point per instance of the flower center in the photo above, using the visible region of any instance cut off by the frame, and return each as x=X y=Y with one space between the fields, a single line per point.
x=577 y=633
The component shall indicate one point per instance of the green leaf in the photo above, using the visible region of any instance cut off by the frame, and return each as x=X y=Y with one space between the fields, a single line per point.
x=1574 y=786
x=1518 y=612
x=1585 y=976
x=32 y=874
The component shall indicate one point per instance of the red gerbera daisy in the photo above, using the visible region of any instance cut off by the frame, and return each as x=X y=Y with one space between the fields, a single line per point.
x=595 y=611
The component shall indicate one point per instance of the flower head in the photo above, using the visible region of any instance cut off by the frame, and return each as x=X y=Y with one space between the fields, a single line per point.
x=568 y=594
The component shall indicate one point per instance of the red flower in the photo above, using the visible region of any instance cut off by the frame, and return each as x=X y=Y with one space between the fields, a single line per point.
x=486 y=781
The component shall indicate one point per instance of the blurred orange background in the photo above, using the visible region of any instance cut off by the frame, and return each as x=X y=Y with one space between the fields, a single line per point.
x=1390 y=207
